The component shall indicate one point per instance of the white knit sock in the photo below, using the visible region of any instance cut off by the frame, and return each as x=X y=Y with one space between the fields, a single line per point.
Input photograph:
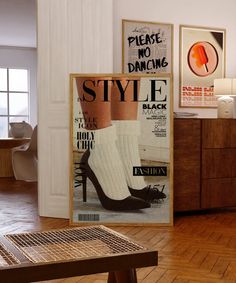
x=127 y=144
x=105 y=162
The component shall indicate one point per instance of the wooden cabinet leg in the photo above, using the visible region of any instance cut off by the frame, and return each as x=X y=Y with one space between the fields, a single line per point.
x=111 y=277
x=123 y=276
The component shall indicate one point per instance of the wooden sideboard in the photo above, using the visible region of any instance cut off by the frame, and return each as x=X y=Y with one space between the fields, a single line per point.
x=204 y=163
x=5 y=155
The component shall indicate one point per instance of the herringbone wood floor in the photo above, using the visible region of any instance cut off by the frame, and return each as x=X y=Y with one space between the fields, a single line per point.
x=199 y=248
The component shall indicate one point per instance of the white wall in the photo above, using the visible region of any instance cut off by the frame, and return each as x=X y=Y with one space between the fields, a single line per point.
x=18 y=23
x=25 y=58
x=209 y=13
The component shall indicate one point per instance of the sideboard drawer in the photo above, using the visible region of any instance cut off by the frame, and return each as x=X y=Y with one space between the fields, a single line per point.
x=187 y=134
x=218 y=193
x=217 y=163
x=218 y=133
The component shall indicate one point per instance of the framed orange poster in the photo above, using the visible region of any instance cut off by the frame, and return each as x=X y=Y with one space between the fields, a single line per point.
x=202 y=59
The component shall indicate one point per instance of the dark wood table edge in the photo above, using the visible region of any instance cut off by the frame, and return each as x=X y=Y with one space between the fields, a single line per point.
x=121 y=267
x=28 y=272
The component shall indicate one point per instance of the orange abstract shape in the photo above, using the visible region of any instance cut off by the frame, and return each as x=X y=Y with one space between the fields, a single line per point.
x=202 y=58
x=199 y=53
x=202 y=54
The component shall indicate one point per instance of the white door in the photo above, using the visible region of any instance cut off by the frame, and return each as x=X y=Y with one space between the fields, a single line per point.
x=74 y=36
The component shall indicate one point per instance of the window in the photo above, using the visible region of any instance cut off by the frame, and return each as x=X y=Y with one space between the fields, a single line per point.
x=14 y=98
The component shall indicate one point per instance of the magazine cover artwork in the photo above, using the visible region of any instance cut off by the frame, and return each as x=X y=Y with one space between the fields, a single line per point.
x=121 y=149
x=146 y=47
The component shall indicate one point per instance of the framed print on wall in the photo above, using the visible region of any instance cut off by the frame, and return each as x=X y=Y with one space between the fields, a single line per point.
x=146 y=47
x=121 y=168
x=202 y=59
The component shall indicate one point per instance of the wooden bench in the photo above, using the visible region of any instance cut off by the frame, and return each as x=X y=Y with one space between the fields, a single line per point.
x=54 y=254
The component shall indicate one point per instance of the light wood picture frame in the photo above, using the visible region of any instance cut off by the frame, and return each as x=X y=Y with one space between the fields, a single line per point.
x=147 y=47
x=202 y=59
x=155 y=147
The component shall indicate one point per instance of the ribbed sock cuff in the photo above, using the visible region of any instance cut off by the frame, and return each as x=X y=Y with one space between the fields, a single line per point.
x=105 y=135
x=127 y=144
x=107 y=166
x=127 y=127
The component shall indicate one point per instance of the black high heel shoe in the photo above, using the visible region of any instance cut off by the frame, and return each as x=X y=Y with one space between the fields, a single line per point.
x=148 y=193
x=129 y=203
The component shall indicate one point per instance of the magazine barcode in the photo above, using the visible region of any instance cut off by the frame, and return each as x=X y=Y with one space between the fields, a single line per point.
x=88 y=217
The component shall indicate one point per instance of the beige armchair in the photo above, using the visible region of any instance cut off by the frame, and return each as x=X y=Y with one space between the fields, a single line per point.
x=25 y=160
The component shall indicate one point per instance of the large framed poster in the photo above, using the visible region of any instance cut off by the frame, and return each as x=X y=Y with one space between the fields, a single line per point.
x=146 y=47
x=121 y=149
x=202 y=59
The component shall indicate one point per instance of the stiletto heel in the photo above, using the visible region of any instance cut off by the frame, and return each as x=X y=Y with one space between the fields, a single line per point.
x=129 y=203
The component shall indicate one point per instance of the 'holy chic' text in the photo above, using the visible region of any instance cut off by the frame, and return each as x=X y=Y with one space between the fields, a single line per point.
x=157 y=90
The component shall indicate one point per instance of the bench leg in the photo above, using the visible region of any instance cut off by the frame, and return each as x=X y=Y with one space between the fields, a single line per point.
x=123 y=276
